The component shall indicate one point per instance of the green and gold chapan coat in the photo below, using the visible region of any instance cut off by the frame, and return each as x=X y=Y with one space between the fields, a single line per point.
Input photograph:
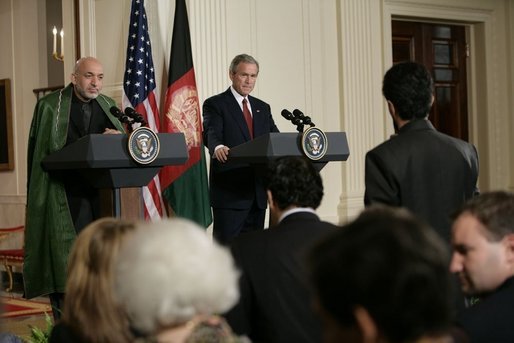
x=49 y=230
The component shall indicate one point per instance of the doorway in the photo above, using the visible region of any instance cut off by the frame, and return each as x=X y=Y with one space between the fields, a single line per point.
x=444 y=51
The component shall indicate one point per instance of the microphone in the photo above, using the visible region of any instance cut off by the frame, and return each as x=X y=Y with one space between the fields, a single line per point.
x=305 y=119
x=136 y=117
x=298 y=117
x=298 y=114
x=286 y=114
x=122 y=117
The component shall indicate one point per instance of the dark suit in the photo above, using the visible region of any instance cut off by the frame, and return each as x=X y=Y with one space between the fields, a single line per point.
x=491 y=320
x=234 y=186
x=275 y=304
x=428 y=172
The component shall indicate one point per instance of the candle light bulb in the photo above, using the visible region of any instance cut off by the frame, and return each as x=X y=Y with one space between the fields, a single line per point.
x=62 y=43
x=54 y=31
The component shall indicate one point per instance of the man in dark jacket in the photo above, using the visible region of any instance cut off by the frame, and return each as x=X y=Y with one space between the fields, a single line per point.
x=275 y=304
x=483 y=259
x=428 y=172
x=231 y=118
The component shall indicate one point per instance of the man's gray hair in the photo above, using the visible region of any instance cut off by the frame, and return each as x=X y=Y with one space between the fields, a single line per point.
x=242 y=58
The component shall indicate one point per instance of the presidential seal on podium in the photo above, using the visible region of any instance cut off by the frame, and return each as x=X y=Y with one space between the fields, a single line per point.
x=314 y=143
x=143 y=145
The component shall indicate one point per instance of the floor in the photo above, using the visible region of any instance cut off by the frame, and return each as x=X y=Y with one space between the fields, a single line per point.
x=21 y=326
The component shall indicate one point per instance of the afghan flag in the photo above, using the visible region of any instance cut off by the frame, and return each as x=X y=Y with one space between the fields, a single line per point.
x=185 y=187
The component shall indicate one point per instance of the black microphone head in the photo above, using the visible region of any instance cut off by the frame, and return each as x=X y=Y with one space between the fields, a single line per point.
x=296 y=121
x=307 y=120
x=129 y=111
x=136 y=117
x=286 y=114
x=115 y=111
x=298 y=113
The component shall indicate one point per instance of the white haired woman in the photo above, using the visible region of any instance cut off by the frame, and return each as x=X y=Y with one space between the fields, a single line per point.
x=171 y=278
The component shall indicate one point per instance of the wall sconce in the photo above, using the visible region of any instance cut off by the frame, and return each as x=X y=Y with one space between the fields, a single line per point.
x=59 y=57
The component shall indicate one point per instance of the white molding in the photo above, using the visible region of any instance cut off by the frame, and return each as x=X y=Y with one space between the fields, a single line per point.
x=89 y=48
x=441 y=11
x=208 y=28
x=68 y=23
x=363 y=116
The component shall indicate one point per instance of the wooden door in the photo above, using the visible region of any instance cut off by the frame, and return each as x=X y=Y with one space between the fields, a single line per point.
x=443 y=50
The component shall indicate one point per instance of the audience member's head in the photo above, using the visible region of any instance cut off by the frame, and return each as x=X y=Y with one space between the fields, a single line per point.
x=382 y=278
x=90 y=309
x=408 y=86
x=292 y=182
x=483 y=242
x=171 y=275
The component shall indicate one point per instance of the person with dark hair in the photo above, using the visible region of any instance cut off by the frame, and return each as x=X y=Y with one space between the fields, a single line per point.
x=382 y=278
x=275 y=301
x=483 y=259
x=238 y=197
x=426 y=171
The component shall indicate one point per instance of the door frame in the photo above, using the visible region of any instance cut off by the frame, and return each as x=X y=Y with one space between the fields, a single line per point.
x=487 y=131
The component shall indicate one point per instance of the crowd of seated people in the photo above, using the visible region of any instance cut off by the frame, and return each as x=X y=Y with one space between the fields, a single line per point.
x=382 y=277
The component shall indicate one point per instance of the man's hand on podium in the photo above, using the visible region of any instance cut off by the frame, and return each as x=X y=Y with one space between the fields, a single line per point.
x=111 y=132
x=221 y=153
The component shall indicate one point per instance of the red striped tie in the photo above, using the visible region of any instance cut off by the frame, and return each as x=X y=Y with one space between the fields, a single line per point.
x=248 y=117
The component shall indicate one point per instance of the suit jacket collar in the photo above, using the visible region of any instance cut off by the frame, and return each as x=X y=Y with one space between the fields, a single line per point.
x=417 y=125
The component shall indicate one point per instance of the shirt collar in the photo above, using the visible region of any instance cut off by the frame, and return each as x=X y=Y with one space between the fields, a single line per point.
x=239 y=97
x=296 y=210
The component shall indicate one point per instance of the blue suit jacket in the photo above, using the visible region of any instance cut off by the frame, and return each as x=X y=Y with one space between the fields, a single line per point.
x=234 y=185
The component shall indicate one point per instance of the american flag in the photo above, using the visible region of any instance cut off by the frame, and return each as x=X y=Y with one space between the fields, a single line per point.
x=138 y=92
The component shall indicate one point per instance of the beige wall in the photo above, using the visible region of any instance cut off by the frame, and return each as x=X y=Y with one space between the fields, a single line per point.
x=325 y=57
x=509 y=14
x=20 y=63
